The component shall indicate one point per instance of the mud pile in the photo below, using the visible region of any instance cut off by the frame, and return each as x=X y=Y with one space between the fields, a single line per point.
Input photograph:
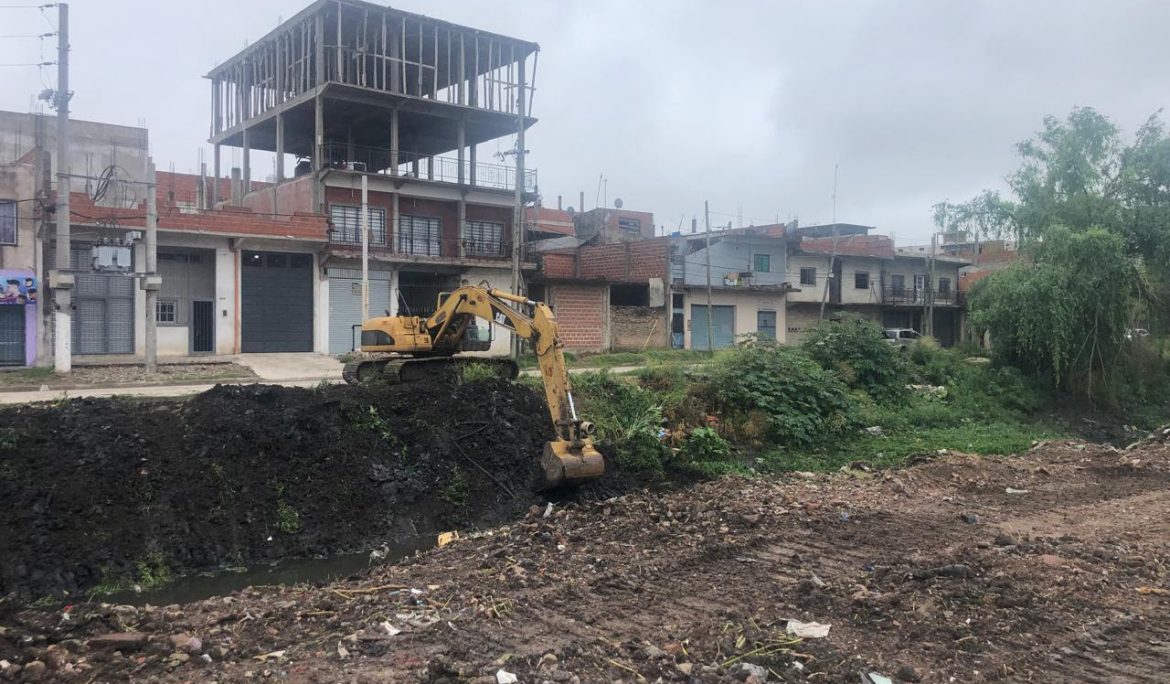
x=96 y=490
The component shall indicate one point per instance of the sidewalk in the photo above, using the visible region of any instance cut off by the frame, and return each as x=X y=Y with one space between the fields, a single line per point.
x=292 y=370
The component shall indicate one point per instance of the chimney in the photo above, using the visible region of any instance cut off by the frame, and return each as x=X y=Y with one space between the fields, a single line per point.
x=581 y=205
x=694 y=225
x=559 y=207
x=237 y=187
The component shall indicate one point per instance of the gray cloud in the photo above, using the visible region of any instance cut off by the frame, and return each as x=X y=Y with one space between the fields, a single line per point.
x=748 y=104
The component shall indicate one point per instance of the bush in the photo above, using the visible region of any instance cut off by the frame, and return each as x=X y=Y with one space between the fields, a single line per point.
x=779 y=393
x=627 y=418
x=858 y=353
x=705 y=444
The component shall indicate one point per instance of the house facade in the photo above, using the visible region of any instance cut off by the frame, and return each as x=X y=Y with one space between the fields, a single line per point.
x=356 y=92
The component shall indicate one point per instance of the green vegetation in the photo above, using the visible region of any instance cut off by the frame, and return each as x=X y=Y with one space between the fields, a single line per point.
x=457 y=490
x=1091 y=214
x=288 y=520
x=762 y=407
x=648 y=357
x=153 y=571
x=478 y=372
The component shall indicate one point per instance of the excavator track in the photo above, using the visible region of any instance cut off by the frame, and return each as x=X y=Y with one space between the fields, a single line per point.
x=395 y=371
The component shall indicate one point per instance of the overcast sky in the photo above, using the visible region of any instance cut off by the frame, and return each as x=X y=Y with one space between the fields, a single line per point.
x=747 y=104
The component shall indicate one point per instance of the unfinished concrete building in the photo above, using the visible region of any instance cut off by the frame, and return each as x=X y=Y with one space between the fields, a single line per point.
x=350 y=89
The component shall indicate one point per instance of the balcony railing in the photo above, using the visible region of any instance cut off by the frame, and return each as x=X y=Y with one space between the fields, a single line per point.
x=910 y=296
x=422 y=243
x=411 y=165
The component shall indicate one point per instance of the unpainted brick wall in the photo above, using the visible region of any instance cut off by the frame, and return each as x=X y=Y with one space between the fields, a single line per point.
x=580 y=311
x=632 y=327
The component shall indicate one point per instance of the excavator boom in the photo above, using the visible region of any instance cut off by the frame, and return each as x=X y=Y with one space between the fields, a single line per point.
x=426 y=346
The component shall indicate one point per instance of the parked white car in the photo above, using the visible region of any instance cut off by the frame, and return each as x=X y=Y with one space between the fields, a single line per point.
x=901 y=337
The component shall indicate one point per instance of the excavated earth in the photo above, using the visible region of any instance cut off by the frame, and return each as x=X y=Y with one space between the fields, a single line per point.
x=99 y=491
x=1045 y=567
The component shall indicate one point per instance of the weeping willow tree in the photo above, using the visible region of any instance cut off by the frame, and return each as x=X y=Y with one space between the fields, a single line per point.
x=1091 y=213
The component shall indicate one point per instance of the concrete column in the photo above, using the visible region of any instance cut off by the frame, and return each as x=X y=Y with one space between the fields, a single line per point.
x=215 y=179
x=394 y=142
x=461 y=143
x=350 y=149
x=471 y=168
x=462 y=225
x=247 y=184
x=318 y=151
x=279 y=147
x=430 y=168
x=392 y=238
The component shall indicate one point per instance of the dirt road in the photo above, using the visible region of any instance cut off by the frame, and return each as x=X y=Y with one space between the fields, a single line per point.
x=1048 y=567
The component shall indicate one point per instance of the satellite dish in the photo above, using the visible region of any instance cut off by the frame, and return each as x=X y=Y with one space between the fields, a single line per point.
x=570 y=211
x=618 y=203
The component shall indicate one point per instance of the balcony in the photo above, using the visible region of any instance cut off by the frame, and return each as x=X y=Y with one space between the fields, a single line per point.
x=909 y=296
x=415 y=238
x=389 y=162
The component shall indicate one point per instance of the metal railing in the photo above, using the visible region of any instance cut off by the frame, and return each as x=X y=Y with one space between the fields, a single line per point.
x=423 y=243
x=386 y=161
x=911 y=296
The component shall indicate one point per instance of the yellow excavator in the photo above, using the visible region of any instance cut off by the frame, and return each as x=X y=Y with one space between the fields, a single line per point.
x=417 y=349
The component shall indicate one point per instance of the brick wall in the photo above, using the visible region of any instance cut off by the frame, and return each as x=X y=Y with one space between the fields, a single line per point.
x=580 y=311
x=632 y=327
x=627 y=262
x=227 y=220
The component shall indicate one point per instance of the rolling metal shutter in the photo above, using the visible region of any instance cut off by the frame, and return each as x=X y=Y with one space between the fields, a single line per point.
x=103 y=315
x=722 y=326
x=276 y=302
x=345 y=304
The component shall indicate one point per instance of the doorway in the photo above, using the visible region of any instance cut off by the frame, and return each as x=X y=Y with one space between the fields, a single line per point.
x=202 y=326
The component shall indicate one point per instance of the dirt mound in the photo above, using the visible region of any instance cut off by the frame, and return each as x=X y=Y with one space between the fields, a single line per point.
x=101 y=489
x=934 y=573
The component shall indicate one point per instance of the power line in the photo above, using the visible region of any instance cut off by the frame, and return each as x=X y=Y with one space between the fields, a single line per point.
x=28 y=64
x=14 y=36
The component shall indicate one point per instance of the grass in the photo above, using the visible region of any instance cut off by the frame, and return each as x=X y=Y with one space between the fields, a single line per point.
x=114 y=375
x=649 y=357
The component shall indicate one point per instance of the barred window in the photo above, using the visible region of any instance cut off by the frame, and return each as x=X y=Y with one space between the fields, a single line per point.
x=483 y=238
x=419 y=235
x=166 y=311
x=347 y=224
x=7 y=223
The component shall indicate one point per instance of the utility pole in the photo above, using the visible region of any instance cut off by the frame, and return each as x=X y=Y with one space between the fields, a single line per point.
x=928 y=324
x=707 y=252
x=833 y=258
x=150 y=283
x=365 y=248
x=518 y=212
x=61 y=279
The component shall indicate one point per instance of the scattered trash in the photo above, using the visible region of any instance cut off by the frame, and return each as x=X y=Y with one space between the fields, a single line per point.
x=1157 y=591
x=758 y=671
x=817 y=581
x=342 y=651
x=264 y=657
x=798 y=666
x=1013 y=490
x=875 y=678
x=390 y=629
x=548 y=510
x=505 y=677
x=874 y=431
x=808 y=630
x=844 y=516
x=206 y=657
x=446 y=538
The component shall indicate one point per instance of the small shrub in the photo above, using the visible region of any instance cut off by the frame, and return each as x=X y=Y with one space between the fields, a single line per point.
x=153 y=570
x=857 y=352
x=705 y=444
x=800 y=402
x=288 y=520
x=628 y=419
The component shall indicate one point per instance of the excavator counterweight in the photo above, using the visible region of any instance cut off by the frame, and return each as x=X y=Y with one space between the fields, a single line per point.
x=417 y=349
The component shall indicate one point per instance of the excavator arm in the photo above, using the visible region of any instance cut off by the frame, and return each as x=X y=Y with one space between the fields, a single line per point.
x=570 y=458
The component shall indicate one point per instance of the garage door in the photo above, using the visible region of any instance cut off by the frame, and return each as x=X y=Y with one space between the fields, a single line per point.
x=276 y=302
x=11 y=335
x=345 y=304
x=103 y=320
x=722 y=326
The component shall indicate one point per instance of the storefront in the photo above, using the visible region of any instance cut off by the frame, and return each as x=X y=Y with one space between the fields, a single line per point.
x=18 y=318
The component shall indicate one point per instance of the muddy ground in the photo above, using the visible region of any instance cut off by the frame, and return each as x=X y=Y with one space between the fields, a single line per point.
x=1047 y=567
x=101 y=492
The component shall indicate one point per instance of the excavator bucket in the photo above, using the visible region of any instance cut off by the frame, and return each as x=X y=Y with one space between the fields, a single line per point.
x=562 y=465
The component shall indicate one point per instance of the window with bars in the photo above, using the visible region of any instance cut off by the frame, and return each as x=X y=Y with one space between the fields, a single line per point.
x=419 y=235
x=166 y=312
x=808 y=276
x=347 y=224
x=484 y=238
x=7 y=222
